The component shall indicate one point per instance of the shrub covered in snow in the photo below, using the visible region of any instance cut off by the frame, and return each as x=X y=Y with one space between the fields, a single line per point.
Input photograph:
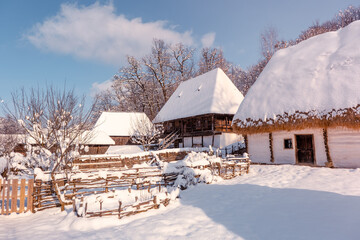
x=18 y=164
x=193 y=169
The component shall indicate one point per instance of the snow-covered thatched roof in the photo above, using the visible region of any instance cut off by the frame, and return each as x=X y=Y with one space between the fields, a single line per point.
x=316 y=82
x=120 y=123
x=212 y=92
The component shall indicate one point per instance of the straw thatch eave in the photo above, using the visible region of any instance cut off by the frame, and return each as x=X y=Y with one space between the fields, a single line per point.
x=346 y=117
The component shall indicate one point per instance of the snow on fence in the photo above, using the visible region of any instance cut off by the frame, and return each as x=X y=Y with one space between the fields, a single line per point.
x=88 y=182
x=233 y=165
x=132 y=202
x=235 y=148
x=16 y=196
x=128 y=160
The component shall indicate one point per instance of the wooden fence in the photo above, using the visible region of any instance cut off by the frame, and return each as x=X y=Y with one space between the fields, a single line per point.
x=38 y=196
x=16 y=196
x=44 y=196
x=123 y=211
x=140 y=178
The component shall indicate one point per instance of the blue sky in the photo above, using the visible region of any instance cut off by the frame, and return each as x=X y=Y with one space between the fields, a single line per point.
x=83 y=43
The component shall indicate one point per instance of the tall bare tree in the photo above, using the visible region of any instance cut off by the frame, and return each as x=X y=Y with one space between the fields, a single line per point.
x=55 y=119
x=268 y=42
x=212 y=58
x=182 y=62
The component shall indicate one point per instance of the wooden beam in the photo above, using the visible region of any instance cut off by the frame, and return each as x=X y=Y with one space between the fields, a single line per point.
x=271 y=148
x=327 y=150
x=212 y=122
x=246 y=143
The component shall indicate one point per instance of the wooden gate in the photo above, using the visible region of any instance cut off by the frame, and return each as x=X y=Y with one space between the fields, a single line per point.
x=16 y=196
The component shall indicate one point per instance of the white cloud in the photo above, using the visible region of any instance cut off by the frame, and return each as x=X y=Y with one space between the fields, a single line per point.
x=208 y=39
x=100 y=87
x=96 y=32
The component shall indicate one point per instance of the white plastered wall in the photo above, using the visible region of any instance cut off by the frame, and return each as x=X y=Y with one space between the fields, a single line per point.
x=283 y=156
x=344 y=147
x=260 y=152
x=187 y=142
x=258 y=148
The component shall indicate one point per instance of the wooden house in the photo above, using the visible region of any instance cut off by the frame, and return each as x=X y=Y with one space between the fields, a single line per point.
x=305 y=106
x=120 y=126
x=95 y=142
x=200 y=111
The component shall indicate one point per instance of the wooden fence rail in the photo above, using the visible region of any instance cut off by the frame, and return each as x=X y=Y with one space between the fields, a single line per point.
x=16 y=196
x=123 y=211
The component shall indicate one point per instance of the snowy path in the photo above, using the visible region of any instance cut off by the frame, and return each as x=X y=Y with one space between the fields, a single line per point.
x=272 y=202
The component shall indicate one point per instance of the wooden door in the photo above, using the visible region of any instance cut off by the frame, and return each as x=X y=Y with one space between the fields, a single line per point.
x=305 y=149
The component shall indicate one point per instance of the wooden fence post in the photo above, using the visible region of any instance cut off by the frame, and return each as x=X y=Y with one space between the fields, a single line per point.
x=86 y=205
x=155 y=204
x=3 y=186
x=119 y=209
x=14 y=195
x=74 y=204
x=22 y=195
x=30 y=197
x=7 y=198
x=101 y=207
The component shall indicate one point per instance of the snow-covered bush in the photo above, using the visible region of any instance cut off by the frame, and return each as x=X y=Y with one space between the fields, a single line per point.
x=18 y=164
x=193 y=169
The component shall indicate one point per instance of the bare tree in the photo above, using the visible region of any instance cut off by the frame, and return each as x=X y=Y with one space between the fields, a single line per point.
x=159 y=69
x=212 y=58
x=268 y=42
x=182 y=62
x=55 y=119
x=144 y=132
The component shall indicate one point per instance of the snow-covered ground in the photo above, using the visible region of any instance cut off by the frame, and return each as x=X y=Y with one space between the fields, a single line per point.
x=271 y=202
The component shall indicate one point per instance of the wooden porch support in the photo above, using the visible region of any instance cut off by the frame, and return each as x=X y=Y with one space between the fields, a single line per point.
x=212 y=129
x=327 y=150
x=246 y=144
x=271 y=148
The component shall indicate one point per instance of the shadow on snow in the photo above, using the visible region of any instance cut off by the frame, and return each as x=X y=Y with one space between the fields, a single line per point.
x=259 y=212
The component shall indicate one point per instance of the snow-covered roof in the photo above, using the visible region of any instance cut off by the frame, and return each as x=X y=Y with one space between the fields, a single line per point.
x=313 y=78
x=120 y=123
x=96 y=137
x=212 y=92
x=124 y=149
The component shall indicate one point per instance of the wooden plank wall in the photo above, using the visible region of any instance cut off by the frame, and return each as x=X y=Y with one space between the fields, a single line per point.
x=16 y=196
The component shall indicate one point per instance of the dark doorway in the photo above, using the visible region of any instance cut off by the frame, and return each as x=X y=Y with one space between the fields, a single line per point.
x=305 y=149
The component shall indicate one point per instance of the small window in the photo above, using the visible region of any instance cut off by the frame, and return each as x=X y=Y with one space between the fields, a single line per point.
x=288 y=143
